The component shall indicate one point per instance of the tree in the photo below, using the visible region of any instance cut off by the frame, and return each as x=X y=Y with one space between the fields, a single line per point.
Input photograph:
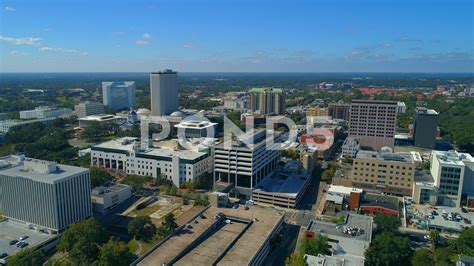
x=387 y=222
x=295 y=259
x=114 y=253
x=422 y=257
x=82 y=240
x=135 y=181
x=388 y=248
x=169 y=222
x=465 y=243
x=434 y=237
x=28 y=256
x=142 y=228
x=315 y=246
x=443 y=256
x=100 y=177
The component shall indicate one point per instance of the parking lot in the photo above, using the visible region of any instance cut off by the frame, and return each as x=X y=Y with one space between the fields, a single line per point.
x=444 y=218
x=10 y=231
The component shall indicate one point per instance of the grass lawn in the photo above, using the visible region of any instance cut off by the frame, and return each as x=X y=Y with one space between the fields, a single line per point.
x=146 y=211
x=134 y=244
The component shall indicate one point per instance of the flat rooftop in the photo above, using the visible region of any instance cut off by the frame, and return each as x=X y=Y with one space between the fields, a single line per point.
x=127 y=144
x=11 y=231
x=103 y=191
x=401 y=157
x=237 y=242
x=62 y=172
x=352 y=221
x=288 y=185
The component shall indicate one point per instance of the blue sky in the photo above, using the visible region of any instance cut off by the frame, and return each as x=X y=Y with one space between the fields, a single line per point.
x=243 y=36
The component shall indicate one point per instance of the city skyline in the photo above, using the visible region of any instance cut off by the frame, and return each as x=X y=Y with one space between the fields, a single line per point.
x=244 y=36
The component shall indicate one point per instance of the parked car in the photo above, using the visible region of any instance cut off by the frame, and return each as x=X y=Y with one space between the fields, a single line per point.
x=467 y=221
x=23 y=245
x=24 y=238
x=13 y=242
x=464 y=210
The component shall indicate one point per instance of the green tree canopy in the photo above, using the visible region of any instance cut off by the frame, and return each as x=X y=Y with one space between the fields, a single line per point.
x=82 y=240
x=315 y=245
x=100 y=177
x=29 y=257
x=141 y=228
x=387 y=222
x=136 y=181
x=114 y=253
x=295 y=259
x=422 y=257
x=388 y=249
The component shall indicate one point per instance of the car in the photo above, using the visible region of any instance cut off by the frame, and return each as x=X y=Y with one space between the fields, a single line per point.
x=23 y=245
x=24 y=238
x=467 y=221
x=19 y=243
x=13 y=242
x=3 y=255
x=427 y=237
x=464 y=210
x=250 y=202
x=235 y=206
x=227 y=221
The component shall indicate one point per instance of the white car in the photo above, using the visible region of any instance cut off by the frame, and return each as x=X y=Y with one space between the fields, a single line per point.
x=427 y=237
x=227 y=221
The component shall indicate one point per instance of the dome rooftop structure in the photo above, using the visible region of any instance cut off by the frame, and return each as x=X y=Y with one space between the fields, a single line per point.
x=177 y=114
x=143 y=111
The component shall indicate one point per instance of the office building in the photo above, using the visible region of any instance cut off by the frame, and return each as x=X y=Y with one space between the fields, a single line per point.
x=317 y=111
x=425 y=128
x=41 y=112
x=373 y=123
x=106 y=198
x=339 y=110
x=177 y=165
x=242 y=166
x=384 y=171
x=267 y=101
x=89 y=108
x=44 y=195
x=451 y=178
x=164 y=92
x=118 y=94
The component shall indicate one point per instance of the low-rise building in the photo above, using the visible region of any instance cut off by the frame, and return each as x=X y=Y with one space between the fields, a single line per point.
x=44 y=112
x=100 y=119
x=106 y=198
x=350 y=147
x=6 y=125
x=177 y=165
x=376 y=203
x=384 y=171
x=348 y=239
x=194 y=128
x=43 y=195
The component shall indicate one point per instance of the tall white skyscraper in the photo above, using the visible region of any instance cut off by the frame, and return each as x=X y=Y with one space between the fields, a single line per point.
x=119 y=94
x=164 y=92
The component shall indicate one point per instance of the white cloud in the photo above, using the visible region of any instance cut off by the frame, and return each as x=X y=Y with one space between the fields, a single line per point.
x=21 y=41
x=144 y=40
x=17 y=53
x=10 y=8
x=62 y=50
x=188 y=45
x=386 y=45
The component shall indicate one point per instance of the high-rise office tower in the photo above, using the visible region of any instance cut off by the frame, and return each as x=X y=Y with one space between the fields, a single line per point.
x=425 y=127
x=119 y=94
x=89 y=108
x=267 y=101
x=373 y=122
x=44 y=195
x=164 y=92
